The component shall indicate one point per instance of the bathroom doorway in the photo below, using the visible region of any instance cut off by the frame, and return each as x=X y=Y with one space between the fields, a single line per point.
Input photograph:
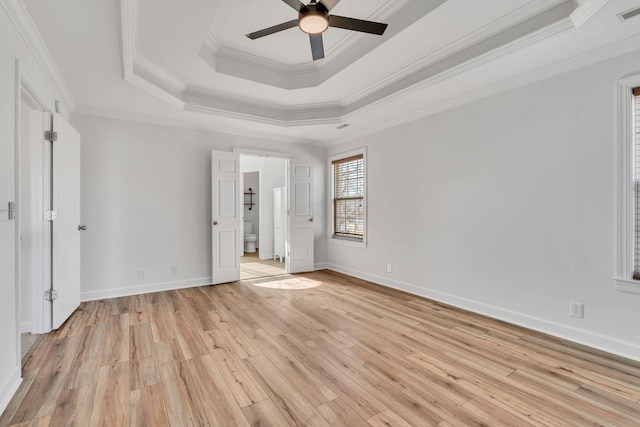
x=259 y=178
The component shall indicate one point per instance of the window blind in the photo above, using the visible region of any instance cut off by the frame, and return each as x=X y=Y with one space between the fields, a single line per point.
x=636 y=178
x=348 y=196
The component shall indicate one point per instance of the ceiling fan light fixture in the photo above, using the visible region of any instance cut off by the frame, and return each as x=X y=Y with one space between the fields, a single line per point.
x=313 y=22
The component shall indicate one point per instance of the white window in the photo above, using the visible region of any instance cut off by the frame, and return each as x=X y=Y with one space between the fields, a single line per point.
x=628 y=127
x=348 y=196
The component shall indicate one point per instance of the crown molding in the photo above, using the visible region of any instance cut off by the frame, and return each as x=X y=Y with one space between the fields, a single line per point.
x=399 y=14
x=586 y=10
x=492 y=41
x=84 y=110
x=595 y=56
x=212 y=102
x=137 y=70
x=22 y=21
x=522 y=28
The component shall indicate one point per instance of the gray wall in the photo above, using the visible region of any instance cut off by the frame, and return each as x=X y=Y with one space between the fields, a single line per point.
x=506 y=207
x=146 y=200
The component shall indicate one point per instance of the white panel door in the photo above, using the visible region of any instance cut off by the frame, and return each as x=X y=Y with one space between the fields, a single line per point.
x=65 y=229
x=225 y=216
x=301 y=230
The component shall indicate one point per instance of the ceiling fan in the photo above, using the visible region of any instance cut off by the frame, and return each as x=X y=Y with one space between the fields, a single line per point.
x=314 y=19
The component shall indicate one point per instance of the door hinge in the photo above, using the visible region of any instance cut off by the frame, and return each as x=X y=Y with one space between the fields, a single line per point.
x=50 y=135
x=50 y=215
x=50 y=295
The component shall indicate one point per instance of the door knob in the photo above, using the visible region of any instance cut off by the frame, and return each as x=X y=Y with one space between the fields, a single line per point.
x=82 y=228
x=310 y=219
x=215 y=222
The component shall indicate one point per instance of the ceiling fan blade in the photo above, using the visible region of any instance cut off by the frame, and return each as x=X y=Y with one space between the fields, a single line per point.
x=317 y=46
x=357 y=25
x=329 y=4
x=274 y=29
x=296 y=4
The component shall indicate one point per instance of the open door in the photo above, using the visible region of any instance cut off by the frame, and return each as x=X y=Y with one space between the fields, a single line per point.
x=301 y=230
x=65 y=221
x=225 y=216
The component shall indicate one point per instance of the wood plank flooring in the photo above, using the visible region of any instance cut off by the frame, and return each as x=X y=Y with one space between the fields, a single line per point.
x=319 y=349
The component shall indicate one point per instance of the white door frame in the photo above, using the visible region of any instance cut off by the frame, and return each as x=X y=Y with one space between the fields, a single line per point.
x=26 y=91
x=287 y=158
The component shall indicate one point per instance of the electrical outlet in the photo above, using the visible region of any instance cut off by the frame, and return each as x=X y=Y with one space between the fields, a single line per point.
x=142 y=273
x=174 y=270
x=389 y=268
x=576 y=309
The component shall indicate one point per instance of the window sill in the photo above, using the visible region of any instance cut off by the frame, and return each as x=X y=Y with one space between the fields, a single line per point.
x=629 y=286
x=345 y=241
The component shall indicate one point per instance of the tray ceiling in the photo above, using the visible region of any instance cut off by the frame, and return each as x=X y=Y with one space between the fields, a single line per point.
x=189 y=63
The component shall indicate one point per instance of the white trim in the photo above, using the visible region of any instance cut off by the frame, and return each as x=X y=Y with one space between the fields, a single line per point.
x=260 y=153
x=585 y=59
x=586 y=11
x=321 y=266
x=502 y=37
x=26 y=327
x=351 y=47
x=625 y=197
x=627 y=349
x=10 y=388
x=340 y=241
x=21 y=19
x=187 y=124
x=124 y=291
x=629 y=286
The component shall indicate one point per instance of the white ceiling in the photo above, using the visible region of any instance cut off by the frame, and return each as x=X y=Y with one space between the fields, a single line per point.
x=188 y=63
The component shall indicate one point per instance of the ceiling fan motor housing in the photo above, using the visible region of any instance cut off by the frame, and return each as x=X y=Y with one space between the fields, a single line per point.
x=313 y=18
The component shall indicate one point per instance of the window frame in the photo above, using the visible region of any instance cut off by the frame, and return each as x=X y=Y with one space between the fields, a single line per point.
x=626 y=180
x=336 y=238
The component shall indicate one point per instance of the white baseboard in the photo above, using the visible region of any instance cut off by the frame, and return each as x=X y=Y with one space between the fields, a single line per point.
x=322 y=266
x=627 y=349
x=26 y=327
x=9 y=388
x=144 y=289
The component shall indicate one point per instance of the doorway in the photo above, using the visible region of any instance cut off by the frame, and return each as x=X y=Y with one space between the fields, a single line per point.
x=261 y=225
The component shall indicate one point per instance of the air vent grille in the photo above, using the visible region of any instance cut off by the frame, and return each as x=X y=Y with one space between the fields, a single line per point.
x=629 y=14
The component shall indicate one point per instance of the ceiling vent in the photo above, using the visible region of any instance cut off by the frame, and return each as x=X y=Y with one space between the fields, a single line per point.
x=629 y=14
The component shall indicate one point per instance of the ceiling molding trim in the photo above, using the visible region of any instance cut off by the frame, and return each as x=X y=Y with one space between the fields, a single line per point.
x=209 y=102
x=397 y=86
x=384 y=13
x=600 y=54
x=173 y=88
x=127 y=32
x=17 y=13
x=585 y=11
x=84 y=110
x=351 y=48
x=472 y=41
x=137 y=70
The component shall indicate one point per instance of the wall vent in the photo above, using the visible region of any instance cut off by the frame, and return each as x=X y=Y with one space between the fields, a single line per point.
x=629 y=14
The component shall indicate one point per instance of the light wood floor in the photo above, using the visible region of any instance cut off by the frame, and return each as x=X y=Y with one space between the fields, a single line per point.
x=319 y=349
x=252 y=267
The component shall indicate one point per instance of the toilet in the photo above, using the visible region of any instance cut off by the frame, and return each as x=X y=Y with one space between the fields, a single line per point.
x=250 y=239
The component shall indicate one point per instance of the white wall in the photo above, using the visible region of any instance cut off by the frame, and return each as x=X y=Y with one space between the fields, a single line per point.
x=146 y=200
x=506 y=207
x=12 y=48
x=252 y=180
